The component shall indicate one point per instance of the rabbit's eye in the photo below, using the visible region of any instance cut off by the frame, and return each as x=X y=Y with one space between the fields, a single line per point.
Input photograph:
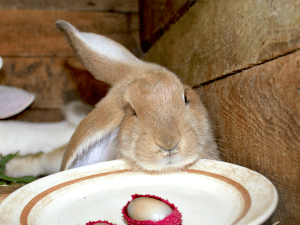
x=131 y=111
x=186 y=101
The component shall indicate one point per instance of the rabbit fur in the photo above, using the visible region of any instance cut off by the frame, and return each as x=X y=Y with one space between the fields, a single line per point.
x=148 y=117
x=27 y=138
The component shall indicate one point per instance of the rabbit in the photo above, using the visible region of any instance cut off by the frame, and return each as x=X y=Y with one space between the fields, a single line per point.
x=27 y=138
x=35 y=165
x=148 y=118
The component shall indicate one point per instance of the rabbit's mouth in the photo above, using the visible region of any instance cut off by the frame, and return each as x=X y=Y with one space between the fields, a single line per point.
x=175 y=161
x=170 y=160
x=164 y=162
x=172 y=163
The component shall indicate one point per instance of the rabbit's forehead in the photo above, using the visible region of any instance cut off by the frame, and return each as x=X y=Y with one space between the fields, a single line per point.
x=159 y=102
x=162 y=91
x=158 y=83
x=158 y=93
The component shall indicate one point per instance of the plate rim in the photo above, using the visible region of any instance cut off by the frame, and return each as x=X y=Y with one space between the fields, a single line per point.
x=203 y=167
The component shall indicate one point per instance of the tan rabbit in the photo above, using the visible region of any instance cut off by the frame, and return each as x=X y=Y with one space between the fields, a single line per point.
x=148 y=118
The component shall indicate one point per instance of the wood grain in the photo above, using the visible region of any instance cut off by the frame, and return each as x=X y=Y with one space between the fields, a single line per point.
x=32 y=33
x=71 y=5
x=3 y=196
x=6 y=190
x=55 y=81
x=38 y=115
x=256 y=115
x=216 y=38
x=156 y=16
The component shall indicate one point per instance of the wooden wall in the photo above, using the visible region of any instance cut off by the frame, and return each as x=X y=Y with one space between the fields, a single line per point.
x=38 y=59
x=157 y=16
x=243 y=59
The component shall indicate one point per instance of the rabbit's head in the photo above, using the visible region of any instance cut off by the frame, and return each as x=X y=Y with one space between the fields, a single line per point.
x=148 y=118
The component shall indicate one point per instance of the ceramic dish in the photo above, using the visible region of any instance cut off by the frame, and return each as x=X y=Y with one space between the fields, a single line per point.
x=210 y=192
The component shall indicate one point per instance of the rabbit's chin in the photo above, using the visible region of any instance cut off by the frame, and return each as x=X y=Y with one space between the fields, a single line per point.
x=167 y=164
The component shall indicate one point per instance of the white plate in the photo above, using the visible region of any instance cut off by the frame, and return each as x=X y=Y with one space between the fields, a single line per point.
x=210 y=192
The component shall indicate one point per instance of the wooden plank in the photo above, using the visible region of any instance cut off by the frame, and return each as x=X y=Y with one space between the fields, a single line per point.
x=156 y=16
x=55 y=81
x=33 y=33
x=6 y=190
x=256 y=115
x=70 y=5
x=3 y=196
x=38 y=115
x=216 y=38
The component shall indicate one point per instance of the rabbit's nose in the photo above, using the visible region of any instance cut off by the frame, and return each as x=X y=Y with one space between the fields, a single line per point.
x=170 y=150
x=168 y=140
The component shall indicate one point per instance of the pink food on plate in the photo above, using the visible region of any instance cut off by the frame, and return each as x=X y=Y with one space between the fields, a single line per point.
x=151 y=210
x=100 y=222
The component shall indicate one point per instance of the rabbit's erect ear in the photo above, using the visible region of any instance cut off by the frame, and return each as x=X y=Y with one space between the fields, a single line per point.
x=107 y=60
x=94 y=138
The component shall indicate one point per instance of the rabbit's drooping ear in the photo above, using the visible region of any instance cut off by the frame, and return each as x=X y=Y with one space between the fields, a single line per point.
x=94 y=138
x=107 y=60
